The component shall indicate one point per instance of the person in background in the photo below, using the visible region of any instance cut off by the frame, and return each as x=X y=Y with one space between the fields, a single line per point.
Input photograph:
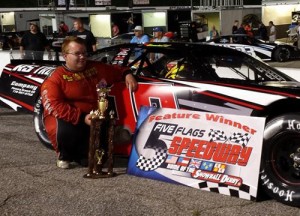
x=115 y=29
x=272 y=34
x=193 y=32
x=213 y=32
x=130 y=24
x=80 y=31
x=248 y=29
x=170 y=35
x=235 y=27
x=34 y=43
x=158 y=37
x=68 y=97
x=241 y=29
x=63 y=29
x=262 y=32
x=140 y=38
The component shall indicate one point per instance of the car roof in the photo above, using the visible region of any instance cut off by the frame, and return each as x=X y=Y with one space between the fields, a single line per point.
x=128 y=35
x=199 y=48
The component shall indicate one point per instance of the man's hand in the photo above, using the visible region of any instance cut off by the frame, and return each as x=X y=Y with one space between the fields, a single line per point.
x=87 y=119
x=131 y=82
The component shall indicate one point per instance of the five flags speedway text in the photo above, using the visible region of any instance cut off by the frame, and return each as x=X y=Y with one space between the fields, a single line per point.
x=202 y=149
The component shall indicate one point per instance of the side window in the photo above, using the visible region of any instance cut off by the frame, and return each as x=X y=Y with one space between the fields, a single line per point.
x=190 y=68
x=233 y=68
x=243 y=73
x=117 y=56
x=105 y=57
x=156 y=67
x=178 y=69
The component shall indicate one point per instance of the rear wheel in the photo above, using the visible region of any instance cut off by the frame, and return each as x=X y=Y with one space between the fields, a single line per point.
x=39 y=126
x=282 y=54
x=280 y=166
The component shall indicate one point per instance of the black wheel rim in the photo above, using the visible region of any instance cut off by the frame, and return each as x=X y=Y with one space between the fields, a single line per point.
x=280 y=158
x=284 y=55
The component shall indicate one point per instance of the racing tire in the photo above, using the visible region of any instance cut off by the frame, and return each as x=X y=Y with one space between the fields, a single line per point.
x=38 y=123
x=280 y=164
x=282 y=54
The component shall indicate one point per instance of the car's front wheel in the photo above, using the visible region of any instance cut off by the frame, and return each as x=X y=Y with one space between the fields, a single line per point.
x=39 y=126
x=280 y=165
x=282 y=54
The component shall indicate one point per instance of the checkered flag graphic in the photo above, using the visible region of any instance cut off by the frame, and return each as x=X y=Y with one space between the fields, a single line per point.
x=240 y=138
x=149 y=164
x=216 y=135
x=243 y=191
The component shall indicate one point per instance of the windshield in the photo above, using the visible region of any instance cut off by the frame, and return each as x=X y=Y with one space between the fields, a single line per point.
x=191 y=64
x=196 y=66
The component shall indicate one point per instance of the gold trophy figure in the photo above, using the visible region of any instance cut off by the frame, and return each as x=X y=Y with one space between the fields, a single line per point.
x=96 y=148
x=102 y=102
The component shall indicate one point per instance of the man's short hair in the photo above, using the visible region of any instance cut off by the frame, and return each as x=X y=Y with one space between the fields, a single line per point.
x=78 y=20
x=68 y=40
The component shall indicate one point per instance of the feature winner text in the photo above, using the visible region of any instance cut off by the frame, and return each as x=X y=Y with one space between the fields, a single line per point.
x=186 y=140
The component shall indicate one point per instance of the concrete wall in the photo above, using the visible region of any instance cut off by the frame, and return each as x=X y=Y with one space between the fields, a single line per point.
x=223 y=19
x=22 y=19
x=228 y=17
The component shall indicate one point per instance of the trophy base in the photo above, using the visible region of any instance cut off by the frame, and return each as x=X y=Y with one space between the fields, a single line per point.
x=100 y=175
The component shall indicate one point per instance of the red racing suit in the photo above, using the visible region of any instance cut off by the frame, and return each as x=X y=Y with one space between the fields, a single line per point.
x=69 y=96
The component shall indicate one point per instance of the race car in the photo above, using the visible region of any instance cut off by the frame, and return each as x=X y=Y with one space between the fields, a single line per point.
x=190 y=76
x=279 y=52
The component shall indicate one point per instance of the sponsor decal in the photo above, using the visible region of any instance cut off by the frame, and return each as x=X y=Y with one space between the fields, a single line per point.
x=36 y=70
x=281 y=192
x=119 y=58
x=293 y=125
x=243 y=48
x=22 y=88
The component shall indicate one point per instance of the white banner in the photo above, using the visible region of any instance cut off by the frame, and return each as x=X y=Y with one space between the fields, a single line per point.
x=208 y=151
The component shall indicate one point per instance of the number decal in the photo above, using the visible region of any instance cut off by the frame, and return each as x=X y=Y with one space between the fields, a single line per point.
x=158 y=95
x=160 y=151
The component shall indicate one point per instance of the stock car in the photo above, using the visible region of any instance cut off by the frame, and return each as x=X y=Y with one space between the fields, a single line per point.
x=199 y=77
x=278 y=51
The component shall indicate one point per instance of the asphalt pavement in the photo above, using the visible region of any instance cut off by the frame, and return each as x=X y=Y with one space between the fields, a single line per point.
x=31 y=184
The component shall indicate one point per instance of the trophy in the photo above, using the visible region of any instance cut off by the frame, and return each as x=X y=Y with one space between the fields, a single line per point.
x=102 y=125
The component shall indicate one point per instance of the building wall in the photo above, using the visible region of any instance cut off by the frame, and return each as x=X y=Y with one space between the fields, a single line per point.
x=281 y=15
x=23 y=18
